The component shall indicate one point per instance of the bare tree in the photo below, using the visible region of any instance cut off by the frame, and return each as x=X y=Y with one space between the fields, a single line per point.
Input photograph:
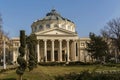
x=1 y=33
x=111 y=32
x=0 y=22
x=3 y=36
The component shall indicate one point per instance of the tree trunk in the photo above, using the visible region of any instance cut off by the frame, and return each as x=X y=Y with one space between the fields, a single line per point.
x=104 y=59
x=20 y=77
x=98 y=59
x=116 y=56
x=85 y=58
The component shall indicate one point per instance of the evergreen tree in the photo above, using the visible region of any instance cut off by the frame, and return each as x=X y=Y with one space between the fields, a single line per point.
x=97 y=47
x=21 y=61
x=31 y=43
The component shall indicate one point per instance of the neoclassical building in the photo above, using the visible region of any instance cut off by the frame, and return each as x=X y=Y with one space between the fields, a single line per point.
x=4 y=44
x=57 y=40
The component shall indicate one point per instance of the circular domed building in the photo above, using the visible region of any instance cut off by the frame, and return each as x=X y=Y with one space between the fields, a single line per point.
x=53 y=20
x=57 y=38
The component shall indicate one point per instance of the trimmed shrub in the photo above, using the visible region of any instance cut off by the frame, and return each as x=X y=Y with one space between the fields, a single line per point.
x=110 y=65
x=51 y=63
x=86 y=75
x=64 y=63
x=8 y=69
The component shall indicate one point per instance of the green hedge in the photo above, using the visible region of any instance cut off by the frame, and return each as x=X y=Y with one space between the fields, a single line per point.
x=65 y=63
x=76 y=63
x=112 y=65
x=51 y=63
x=8 y=69
x=86 y=75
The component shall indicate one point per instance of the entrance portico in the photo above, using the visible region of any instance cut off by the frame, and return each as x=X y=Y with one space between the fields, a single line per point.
x=56 y=50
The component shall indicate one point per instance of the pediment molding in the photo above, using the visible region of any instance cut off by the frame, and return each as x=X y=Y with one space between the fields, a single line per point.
x=56 y=31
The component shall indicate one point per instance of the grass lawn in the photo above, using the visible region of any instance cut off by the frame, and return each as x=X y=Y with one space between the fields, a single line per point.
x=49 y=72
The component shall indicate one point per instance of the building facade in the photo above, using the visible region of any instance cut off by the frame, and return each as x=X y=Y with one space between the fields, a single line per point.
x=4 y=43
x=57 y=40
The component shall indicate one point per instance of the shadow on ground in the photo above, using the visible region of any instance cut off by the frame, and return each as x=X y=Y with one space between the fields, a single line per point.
x=8 y=79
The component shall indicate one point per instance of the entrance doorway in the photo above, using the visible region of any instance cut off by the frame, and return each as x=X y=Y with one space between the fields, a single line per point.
x=48 y=55
x=56 y=55
x=63 y=55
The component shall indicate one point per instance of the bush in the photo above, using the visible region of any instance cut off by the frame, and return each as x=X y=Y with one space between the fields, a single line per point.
x=79 y=63
x=76 y=63
x=1 y=63
x=86 y=75
x=64 y=63
x=8 y=69
x=110 y=65
x=51 y=63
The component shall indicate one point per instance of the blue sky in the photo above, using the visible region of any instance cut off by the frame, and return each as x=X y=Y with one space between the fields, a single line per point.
x=88 y=15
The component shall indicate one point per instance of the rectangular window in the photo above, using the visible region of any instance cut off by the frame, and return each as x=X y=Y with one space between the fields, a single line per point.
x=69 y=27
x=82 y=44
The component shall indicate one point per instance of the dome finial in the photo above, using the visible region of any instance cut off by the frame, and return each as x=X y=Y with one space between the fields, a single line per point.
x=53 y=8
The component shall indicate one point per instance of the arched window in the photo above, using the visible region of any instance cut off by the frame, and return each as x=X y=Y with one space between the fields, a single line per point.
x=40 y=27
x=63 y=26
x=82 y=44
x=35 y=29
x=55 y=25
x=69 y=27
x=47 y=25
x=72 y=28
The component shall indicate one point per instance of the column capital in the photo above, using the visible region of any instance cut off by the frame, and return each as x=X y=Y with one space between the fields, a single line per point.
x=60 y=39
x=52 y=40
x=74 y=40
x=38 y=41
x=67 y=40
x=45 y=40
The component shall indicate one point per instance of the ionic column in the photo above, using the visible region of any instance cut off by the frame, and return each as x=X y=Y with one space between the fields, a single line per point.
x=52 y=54
x=67 y=50
x=74 y=54
x=14 y=55
x=45 y=50
x=38 y=52
x=78 y=50
x=60 y=49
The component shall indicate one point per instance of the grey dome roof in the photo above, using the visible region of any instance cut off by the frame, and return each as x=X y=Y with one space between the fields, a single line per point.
x=53 y=15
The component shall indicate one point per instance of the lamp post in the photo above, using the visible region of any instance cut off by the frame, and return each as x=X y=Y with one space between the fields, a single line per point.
x=4 y=56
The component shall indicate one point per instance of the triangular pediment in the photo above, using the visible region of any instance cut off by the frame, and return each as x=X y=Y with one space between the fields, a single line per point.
x=55 y=31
